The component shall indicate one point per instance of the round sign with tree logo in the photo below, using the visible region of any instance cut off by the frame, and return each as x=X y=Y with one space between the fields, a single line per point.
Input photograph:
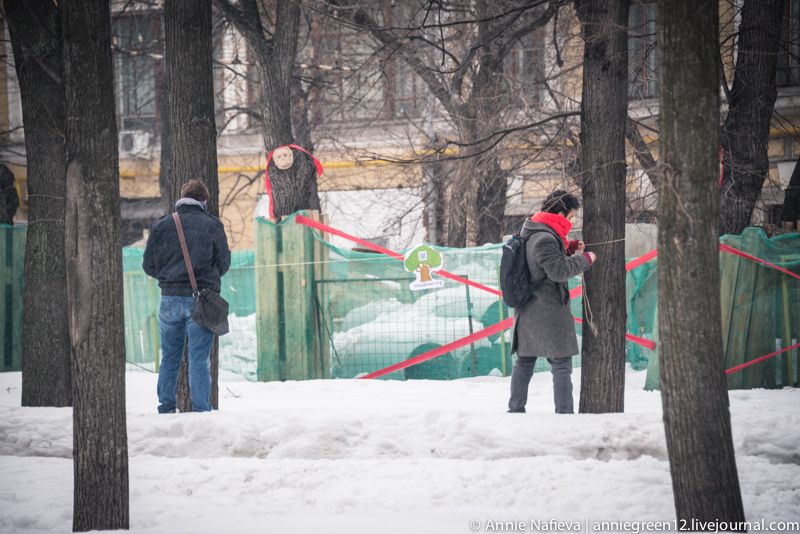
x=423 y=260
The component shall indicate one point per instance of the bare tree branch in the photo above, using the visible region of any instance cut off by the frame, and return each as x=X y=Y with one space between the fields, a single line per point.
x=248 y=25
x=390 y=40
x=548 y=14
x=495 y=138
x=463 y=22
x=641 y=151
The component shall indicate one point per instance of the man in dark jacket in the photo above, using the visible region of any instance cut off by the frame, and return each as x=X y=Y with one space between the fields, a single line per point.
x=544 y=326
x=163 y=260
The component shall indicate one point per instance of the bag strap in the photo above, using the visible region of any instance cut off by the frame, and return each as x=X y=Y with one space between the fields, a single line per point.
x=185 y=249
x=539 y=231
x=538 y=286
x=529 y=234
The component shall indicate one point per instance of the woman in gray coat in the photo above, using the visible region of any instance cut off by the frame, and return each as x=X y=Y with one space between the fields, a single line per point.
x=544 y=326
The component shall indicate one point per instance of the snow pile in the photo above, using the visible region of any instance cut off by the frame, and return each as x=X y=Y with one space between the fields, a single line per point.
x=387 y=456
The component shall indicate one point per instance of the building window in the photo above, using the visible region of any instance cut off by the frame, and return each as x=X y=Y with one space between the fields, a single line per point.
x=524 y=69
x=233 y=64
x=347 y=81
x=409 y=94
x=788 y=72
x=139 y=75
x=642 y=52
x=137 y=37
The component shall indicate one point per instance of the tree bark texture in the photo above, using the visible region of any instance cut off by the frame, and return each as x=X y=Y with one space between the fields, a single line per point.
x=473 y=122
x=183 y=399
x=693 y=387
x=604 y=106
x=492 y=201
x=164 y=182
x=745 y=133
x=294 y=188
x=302 y=135
x=192 y=129
x=476 y=202
x=462 y=199
x=94 y=269
x=488 y=95
x=46 y=351
x=791 y=202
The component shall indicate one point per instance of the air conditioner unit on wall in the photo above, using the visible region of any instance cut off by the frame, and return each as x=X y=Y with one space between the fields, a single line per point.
x=134 y=142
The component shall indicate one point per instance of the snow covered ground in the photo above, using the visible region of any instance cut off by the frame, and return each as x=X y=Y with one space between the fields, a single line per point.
x=353 y=456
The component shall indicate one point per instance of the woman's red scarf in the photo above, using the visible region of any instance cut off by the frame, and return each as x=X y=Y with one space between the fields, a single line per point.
x=559 y=223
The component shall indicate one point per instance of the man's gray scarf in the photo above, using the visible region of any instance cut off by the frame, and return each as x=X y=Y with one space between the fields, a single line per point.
x=191 y=202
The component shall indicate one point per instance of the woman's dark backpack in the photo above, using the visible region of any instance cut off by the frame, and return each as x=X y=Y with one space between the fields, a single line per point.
x=515 y=277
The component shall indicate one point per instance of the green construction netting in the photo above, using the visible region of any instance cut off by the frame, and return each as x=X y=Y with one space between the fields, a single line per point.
x=760 y=311
x=142 y=297
x=331 y=312
x=302 y=308
x=360 y=315
x=12 y=249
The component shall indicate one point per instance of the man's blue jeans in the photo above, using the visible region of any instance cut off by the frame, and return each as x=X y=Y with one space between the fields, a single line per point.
x=176 y=321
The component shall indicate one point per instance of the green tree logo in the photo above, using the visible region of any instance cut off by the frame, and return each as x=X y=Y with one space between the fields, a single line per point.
x=423 y=259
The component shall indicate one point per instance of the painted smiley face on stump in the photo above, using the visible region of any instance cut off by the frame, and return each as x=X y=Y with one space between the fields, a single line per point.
x=283 y=157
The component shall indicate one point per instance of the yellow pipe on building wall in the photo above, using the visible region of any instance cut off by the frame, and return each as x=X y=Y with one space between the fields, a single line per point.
x=776 y=132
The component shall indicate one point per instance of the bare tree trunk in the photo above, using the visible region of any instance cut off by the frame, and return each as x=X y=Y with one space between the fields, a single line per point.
x=462 y=199
x=791 y=202
x=476 y=206
x=295 y=188
x=35 y=32
x=192 y=130
x=164 y=181
x=693 y=387
x=436 y=201
x=604 y=106
x=302 y=135
x=745 y=133
x=477 y=200
x=291 y=188
x=491 y=201
x=94 y=269
x=491 y=180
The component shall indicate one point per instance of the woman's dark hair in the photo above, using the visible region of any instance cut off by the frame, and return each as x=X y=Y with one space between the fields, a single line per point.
x=560 y=203
x=195 y=189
